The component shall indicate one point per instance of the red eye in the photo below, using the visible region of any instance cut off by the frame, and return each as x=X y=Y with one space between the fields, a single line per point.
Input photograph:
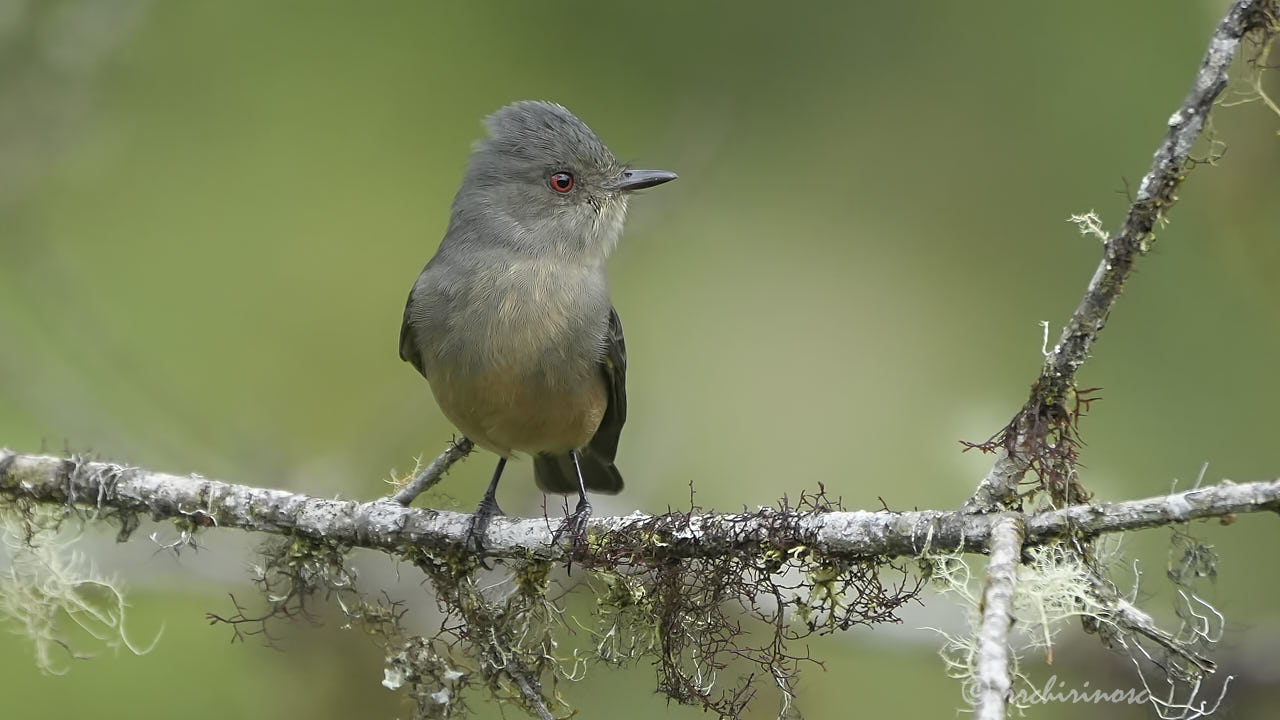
x=562 y=182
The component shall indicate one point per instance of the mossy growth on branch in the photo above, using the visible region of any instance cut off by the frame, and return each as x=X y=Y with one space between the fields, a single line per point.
x=716 y=628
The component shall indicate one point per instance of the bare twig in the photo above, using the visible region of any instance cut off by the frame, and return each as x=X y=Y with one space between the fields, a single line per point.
x=434 y=472
x=993 y=674
x=1052 y=393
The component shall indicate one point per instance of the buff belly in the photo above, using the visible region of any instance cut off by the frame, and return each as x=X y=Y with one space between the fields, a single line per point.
x=509 y=412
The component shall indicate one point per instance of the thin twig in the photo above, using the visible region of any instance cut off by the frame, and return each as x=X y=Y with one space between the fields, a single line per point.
x=434 y=472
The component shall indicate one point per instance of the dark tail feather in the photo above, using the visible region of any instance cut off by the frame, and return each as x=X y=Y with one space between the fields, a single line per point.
x=554 y=474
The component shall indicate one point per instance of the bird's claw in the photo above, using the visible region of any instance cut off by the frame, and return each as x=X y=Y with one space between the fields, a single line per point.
x=478 y=528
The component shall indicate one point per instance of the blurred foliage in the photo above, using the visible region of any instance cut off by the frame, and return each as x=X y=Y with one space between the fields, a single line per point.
x=210 y=214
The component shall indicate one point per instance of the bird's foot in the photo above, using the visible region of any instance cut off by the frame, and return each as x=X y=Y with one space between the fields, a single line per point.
x=479 y=526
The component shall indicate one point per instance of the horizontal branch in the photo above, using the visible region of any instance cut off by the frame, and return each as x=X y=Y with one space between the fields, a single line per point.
x=388 y=526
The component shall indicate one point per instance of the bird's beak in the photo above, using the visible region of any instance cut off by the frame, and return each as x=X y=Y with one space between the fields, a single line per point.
x=640 y=179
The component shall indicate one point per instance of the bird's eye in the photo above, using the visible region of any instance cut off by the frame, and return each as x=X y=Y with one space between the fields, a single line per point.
x=562 y=182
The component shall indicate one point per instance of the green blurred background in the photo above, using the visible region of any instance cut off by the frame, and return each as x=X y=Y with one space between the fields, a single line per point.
x=211 y=213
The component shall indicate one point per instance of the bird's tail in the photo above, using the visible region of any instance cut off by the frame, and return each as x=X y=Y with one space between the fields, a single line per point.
x=554 y=473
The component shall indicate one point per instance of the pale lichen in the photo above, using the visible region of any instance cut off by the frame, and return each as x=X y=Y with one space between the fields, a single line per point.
x=49 y=591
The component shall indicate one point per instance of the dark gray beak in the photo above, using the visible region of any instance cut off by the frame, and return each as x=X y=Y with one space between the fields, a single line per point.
x=640 y=179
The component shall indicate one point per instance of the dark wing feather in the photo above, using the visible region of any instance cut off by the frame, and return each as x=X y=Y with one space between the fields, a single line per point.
x=613 y=364
x=408 y=348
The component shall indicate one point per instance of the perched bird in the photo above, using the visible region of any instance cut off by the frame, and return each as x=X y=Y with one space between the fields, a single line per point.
x=511 y=322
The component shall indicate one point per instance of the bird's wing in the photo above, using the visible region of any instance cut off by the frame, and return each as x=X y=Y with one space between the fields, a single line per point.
x=613 y=365
x=409 y=351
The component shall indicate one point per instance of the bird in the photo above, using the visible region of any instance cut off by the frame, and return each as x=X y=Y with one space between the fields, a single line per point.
x=511 y=321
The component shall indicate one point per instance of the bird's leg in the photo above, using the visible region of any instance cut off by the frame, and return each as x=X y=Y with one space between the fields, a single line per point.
x=576 y=524
x=485 y=511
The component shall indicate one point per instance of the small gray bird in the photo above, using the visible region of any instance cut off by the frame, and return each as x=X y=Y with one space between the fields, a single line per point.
x=511 y=321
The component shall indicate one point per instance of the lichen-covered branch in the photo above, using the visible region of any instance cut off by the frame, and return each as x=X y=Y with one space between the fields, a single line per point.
x=993 y=675
x=130 y=493
x=1051 y=407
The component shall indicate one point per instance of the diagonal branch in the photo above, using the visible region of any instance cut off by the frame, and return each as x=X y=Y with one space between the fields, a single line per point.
x=527 y=691
x=1052 y=394
x=434 y=472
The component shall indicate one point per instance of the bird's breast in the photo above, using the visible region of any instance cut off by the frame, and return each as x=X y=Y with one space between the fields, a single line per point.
x=541 y=313
x=526 y=316
x=512 y=354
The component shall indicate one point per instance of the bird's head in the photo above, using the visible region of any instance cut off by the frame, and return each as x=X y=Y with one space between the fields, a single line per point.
x=543 y=183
